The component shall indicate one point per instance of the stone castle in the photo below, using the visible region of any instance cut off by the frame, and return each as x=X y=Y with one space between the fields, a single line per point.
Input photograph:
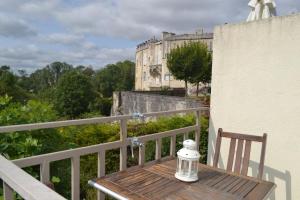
x=151 y=72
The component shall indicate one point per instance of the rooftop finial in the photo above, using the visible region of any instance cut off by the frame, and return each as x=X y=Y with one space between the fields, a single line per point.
x=261 y=9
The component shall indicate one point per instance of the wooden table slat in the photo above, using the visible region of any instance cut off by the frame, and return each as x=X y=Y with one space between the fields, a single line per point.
x=157 y=182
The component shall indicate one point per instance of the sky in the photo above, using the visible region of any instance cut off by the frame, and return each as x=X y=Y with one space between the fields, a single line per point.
x=34 y=33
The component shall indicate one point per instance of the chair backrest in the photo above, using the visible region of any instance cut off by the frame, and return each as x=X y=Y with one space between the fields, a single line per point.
x=241 y=162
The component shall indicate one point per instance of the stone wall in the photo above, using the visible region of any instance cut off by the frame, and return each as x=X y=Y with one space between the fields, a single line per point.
x=131 y=102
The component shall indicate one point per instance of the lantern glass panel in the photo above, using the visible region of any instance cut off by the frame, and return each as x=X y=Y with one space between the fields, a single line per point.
x=185 y=167
x=178 y=165
x=194 y=170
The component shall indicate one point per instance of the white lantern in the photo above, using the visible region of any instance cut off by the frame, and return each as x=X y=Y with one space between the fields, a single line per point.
x=187 y=162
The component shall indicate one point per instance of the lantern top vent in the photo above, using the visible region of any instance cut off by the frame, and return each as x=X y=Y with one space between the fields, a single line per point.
x=189 y=144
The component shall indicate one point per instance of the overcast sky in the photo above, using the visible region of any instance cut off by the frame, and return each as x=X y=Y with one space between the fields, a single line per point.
x=34 y=33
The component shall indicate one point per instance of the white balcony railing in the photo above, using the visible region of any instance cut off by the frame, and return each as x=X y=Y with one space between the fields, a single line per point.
x=15 y=179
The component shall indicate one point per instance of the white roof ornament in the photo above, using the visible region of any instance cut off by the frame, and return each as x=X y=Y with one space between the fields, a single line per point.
x=261 y=9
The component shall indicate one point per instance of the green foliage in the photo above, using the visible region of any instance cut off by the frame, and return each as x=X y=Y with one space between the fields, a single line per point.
x=190 y=63
x=29 y=143
x=103 y=105
x=43 y=85
x=203 y=60
x=9 y=86
x=17 y=145
x=55 y=179
x=32 y=112
x=48 y=77
x=74 y=94
x=115 y=77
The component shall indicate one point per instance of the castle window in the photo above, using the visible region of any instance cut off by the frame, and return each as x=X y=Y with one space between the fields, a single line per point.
x=168 y=77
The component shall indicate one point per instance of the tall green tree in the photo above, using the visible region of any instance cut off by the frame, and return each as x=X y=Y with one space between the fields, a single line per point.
x=205 y=64
x=9 y=85
x=189 y=62
x=48 y=76
x=115 y=77
x=74 y=94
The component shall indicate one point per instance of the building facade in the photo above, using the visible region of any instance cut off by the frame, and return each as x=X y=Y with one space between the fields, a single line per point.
x=151 y=72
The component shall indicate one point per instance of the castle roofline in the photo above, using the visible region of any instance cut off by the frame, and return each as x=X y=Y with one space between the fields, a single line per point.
x=167 y=36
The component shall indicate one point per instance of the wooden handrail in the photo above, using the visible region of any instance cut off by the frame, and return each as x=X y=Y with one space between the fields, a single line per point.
x=24 y=184
x=95 y=120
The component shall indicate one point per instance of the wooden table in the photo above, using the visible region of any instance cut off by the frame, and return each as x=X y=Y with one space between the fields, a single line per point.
x=157 y=181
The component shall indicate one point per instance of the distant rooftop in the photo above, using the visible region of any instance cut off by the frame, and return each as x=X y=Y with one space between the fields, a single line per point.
x=168 y=36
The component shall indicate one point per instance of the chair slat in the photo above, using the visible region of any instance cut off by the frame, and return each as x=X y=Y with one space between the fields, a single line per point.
x=231 y=154
x=246 y=158
x=217 y=150
x=262 y=156
x=238 y=159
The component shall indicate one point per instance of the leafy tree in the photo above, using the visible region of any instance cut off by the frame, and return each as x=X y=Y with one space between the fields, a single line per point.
x=9 y=86
x=43 y=79
x=16 y=145
x=74 y=94
x=115 y=77
x=88 y=71
x=189 y=62
x=28 y=143
x=127 y=76
x=103 y=105
x=57 y=69
x=205 y=64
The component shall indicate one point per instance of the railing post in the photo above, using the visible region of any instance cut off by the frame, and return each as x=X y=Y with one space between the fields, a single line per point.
x=158 y=149
x=123 y=149
x=101 y=172
x=45 y=172
x=8 y=193
x=142 y=155
x=173 y=146
x=75 y=162
x=198 y=130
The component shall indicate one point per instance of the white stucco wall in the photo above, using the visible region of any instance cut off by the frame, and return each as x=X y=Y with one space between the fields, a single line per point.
x=256 y=90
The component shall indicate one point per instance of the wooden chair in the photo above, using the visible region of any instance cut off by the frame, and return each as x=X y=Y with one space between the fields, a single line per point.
x=241 y=162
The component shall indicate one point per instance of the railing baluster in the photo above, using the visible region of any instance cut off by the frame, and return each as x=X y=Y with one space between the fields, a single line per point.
x=158 y=149
x=142 y=155
x=75 y=162
x=101 y=172
x=45 y=172
x=123 y=149
x=173 y=146
x=198 y=130
x=8 y=193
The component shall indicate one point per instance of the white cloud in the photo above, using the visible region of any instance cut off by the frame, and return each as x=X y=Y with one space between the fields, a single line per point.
x=62 y=38
x=11 y=27
x=31 y=57
x=62 y=29
x=141 y=19
x=39 y=8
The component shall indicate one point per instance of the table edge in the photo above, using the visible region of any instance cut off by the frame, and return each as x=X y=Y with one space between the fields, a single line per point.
x=106 y=190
